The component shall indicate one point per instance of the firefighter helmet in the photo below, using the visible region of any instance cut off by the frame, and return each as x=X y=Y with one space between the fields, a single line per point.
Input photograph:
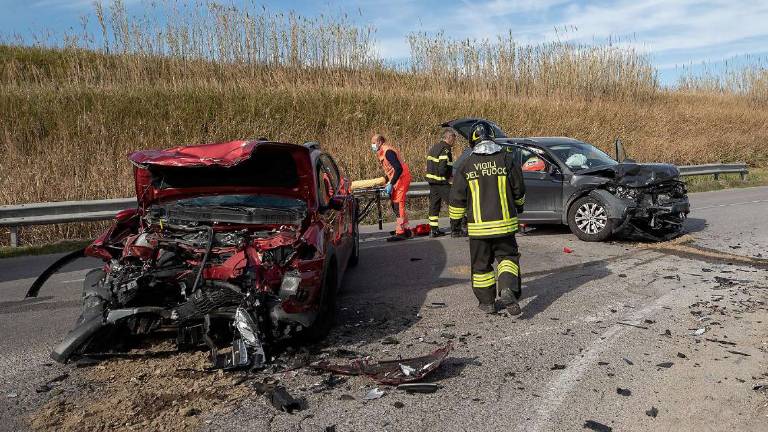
x=481 y=131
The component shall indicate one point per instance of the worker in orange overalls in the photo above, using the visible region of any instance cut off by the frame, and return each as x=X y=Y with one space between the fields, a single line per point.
x=398 y=180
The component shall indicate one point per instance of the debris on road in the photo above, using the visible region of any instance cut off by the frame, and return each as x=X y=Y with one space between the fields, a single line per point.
x=720 y=341
x=629 y=324
x=738 y=353
x=623 y=391
x=700 y=331
x=374 y=393
x=557 y=367
x=681 y=355
x=398 y=405
x=665 y=365
x=627 y=361
x=418 y=387
x=568 y=250
x=437 y=305
x=389 y=340
x=653 y=412
x=51 y=383
x=390 y=372
x=283 y=401
x=597 y=426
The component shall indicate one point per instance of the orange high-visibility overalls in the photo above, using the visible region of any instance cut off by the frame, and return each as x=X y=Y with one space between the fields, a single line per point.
x=399 y=189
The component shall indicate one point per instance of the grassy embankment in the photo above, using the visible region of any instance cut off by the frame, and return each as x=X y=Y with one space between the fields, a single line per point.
x=70 y=115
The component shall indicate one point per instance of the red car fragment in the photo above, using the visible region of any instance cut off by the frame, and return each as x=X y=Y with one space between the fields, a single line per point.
x=391 y=372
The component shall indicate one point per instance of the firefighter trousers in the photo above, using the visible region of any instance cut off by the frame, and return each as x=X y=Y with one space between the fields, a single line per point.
x=483 y=252
x=438 y=193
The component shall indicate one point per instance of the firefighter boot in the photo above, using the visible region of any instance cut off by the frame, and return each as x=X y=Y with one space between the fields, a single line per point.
x=508 y=300
x=487 y=298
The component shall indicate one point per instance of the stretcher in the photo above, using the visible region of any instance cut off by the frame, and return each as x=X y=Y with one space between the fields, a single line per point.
x=369 y=193
x=369 y=199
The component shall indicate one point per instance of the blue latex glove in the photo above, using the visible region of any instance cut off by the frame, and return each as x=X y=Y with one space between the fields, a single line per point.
x=388 y=189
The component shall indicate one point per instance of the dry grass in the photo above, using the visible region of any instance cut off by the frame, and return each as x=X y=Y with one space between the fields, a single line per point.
x=69 y=115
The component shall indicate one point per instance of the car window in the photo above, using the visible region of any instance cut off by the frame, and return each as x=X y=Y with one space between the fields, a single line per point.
x=327 y=178
x=531 y=162
x=578 y=156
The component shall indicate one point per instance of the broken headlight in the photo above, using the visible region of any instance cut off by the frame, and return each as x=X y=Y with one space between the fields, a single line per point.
x=290 y=284
x=246 y=327
x=626 y=193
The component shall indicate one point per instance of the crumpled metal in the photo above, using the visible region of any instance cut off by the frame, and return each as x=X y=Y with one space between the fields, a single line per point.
x=391 y=372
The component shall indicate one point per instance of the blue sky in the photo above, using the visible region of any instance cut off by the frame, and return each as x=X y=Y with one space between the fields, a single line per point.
x=674 y=32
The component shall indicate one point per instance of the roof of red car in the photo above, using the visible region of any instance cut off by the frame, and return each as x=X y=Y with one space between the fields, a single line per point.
x=224 y=154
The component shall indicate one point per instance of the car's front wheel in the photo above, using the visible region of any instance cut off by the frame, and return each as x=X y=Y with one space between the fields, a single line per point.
x=588 y=219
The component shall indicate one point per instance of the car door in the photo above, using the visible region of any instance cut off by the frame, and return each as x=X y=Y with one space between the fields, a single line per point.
x=543 y=187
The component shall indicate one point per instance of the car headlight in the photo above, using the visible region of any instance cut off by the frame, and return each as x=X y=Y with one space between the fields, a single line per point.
x=246 y=327
x=290 y=285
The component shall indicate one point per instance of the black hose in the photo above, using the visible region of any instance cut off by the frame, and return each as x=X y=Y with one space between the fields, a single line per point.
x=205 y=259
x=53 y=268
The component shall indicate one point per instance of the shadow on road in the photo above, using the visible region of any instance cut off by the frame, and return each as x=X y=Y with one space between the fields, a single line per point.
x=383 y=295
x=553 y=285
x=693 y=225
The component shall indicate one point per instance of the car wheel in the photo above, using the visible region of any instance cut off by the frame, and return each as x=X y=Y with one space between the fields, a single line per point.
x=325 y=317
x=354 y=259
x=588 y=219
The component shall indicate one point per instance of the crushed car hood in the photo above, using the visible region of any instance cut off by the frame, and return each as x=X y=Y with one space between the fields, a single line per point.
x=633 y=174
x=253 y=167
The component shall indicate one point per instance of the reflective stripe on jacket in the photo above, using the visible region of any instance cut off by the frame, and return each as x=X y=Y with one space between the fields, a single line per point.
x=439 y=164
x=488 y=188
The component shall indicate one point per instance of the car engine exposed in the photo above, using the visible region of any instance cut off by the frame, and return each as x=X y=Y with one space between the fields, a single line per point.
x=232 y=279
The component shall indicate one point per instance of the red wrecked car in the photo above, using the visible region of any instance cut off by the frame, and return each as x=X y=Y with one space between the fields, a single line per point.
x=233 y=245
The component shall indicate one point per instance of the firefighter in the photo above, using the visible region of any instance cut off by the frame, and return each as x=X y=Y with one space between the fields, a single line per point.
x=489 y=189
x=439 y=170
x=398 y=180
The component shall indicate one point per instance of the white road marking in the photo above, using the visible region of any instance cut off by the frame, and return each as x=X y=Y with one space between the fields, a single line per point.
x=73 y=280
x=730 y=205
x=563 y=384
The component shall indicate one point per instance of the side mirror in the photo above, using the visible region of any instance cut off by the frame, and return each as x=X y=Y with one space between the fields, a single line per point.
x=336 y=203
x=552 y=169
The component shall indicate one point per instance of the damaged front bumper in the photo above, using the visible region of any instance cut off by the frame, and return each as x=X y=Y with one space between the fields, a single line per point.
x=645 y=216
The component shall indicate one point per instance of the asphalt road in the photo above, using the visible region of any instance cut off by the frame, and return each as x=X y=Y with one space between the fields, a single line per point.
x=594 y=320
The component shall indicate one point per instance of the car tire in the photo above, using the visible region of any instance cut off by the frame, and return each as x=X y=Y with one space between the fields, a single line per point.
x=588 y=220
x=354 y=258
x=325 y=317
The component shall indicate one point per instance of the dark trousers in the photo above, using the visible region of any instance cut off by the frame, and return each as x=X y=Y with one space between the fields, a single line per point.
x=437 y=194
x=483 y=252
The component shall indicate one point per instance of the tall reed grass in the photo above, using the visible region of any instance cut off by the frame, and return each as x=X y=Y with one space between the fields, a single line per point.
x=186 y=73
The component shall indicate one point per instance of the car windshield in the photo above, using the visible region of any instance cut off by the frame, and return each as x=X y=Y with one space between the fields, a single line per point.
x=580 y=156
x=250 y=201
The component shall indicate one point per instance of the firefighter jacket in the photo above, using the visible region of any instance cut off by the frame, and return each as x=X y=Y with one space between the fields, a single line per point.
x=439 y=164
x=489 y=189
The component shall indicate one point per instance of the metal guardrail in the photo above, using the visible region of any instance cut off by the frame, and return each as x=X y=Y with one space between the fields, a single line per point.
x=715 y=170
x=15 y=216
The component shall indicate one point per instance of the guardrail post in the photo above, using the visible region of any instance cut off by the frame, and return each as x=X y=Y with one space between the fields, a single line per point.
x=14 y=236
x=717 y=176
x=743 y=175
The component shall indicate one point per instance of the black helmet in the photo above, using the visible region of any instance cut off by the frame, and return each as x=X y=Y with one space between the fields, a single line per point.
x=481 y=131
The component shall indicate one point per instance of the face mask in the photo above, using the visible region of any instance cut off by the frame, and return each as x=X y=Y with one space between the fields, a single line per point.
x=373 y=148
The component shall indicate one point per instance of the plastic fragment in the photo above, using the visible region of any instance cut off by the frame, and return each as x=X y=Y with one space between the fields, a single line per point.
x=373 y=393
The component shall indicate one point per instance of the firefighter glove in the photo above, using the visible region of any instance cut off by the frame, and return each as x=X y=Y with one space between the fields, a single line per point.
x=388 y=189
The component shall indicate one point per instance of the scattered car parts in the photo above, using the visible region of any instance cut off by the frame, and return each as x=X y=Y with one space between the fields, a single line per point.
x=391 y=372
